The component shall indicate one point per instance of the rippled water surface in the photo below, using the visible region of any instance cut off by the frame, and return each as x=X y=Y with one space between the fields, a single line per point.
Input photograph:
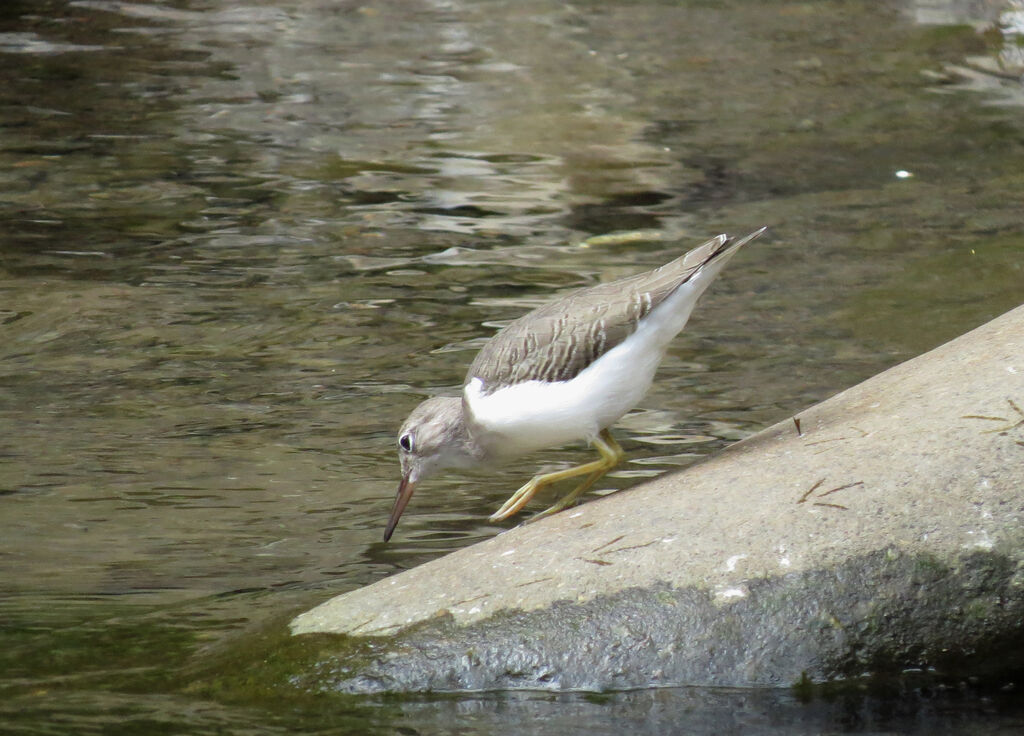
x=241 y=241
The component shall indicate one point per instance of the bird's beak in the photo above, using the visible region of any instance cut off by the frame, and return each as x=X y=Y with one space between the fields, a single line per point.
x=405 y=489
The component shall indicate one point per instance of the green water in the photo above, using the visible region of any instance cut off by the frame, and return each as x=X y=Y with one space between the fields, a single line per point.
x=241 y=242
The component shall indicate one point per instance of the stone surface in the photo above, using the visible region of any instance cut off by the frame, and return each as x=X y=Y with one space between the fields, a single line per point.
x=887 y=535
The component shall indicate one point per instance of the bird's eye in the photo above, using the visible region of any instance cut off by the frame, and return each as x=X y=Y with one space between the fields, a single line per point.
x=405 y=442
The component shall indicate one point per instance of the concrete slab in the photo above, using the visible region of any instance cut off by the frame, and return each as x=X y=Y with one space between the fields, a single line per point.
x=888 y=534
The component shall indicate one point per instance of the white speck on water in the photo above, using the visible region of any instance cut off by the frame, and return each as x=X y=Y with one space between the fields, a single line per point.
x=903 y=174
x=447 y=253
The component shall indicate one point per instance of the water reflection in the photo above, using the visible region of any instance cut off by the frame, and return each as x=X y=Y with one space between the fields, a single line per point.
x=241 y=243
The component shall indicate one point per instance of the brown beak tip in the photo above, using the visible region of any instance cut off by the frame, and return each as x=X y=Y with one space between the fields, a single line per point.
x=405 y=489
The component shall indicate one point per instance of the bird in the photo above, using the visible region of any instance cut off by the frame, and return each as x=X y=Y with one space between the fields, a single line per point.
x=564 y=372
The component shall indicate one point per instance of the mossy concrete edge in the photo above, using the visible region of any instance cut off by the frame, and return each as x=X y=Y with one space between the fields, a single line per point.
x=788 y=553
x=878 y=615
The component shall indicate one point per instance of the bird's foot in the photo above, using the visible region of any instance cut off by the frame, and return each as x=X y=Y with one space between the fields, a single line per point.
x=610 y=453
x=518 y=499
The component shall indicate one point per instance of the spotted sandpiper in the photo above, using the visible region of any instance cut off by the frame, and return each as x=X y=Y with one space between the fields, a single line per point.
x=564 y=372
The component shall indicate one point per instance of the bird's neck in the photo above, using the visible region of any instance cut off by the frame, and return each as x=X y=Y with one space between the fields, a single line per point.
x=478 y=444
x=464 y=451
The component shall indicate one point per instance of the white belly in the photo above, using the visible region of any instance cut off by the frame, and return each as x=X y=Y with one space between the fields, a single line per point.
x=533 y=415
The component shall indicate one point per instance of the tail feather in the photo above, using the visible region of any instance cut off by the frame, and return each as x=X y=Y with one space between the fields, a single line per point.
x=674 y=312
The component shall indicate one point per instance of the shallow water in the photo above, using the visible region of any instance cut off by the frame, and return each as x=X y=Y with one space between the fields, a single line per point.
x=240 y=243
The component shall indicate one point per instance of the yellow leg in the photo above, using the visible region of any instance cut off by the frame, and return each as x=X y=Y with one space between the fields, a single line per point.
x=611 y=454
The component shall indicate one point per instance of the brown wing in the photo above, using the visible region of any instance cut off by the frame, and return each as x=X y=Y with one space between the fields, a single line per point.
x=557 y=341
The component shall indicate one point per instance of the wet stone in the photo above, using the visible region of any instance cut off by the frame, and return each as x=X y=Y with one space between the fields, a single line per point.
x=885 y=535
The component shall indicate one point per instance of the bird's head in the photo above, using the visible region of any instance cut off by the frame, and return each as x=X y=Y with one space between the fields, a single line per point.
x=432 y=438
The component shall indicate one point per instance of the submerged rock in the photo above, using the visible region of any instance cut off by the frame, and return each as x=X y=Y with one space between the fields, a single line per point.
x=887 y=534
